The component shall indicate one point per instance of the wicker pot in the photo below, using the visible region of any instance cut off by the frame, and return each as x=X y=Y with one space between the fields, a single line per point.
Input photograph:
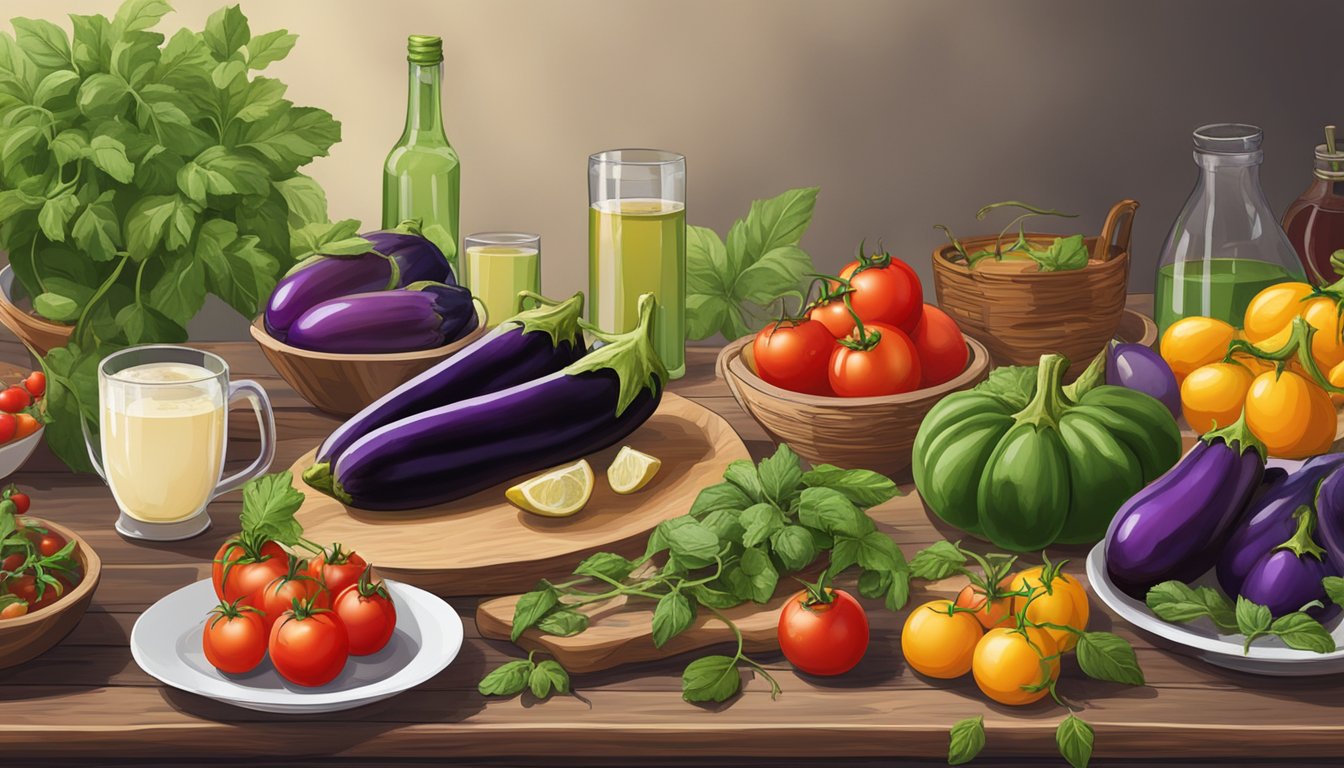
x=38 y=333
x=1021 y=313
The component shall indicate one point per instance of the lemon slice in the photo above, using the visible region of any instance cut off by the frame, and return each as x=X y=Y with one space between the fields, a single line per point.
x=631 y=470
x=558 y=493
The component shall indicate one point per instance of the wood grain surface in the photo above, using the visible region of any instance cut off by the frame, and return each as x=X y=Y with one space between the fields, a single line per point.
x=483 y=545
x=85 y=701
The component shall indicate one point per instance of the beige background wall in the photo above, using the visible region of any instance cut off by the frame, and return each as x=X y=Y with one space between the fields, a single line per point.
x=905 y=112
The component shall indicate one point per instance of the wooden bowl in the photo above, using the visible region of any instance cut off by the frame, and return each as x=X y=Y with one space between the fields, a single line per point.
x=1137 y=328
x=343 y=384
x=30 y=635
x=874 y=433
x=38 y=333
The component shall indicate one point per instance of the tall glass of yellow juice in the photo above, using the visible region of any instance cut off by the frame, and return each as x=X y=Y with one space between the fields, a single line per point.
x=637 y=244
x=499 y=266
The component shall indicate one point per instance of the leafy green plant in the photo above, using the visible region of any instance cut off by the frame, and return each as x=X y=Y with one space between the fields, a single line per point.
x=740 y=537
x=1177 y=602
x=138 y=176
x=730 y=285
x=1063 y=253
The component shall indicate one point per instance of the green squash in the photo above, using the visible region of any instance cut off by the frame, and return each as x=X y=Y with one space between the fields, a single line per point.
x=1054 y=471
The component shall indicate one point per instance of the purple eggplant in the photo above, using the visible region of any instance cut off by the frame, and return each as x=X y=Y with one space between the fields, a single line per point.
x=398 y=258
x=1330 y=517
x=1140 y=368
x=420 y=316
x=1175 y=527
x=447 y=453
x=531 y=344
x=1290 y=575
x=1269 y=521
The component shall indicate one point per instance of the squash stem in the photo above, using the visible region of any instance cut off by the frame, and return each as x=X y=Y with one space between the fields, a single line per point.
x=1049 y=403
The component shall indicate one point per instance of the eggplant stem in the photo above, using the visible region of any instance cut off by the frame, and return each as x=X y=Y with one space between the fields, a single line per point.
x=1237 y=432
x=1301 y=542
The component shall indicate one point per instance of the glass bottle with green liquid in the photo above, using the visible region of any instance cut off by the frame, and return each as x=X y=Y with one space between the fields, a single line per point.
x=422 y=175
x=1226 y=245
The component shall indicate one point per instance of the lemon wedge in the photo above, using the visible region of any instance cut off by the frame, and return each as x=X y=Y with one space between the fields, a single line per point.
x=631 y=470
x=558 y=493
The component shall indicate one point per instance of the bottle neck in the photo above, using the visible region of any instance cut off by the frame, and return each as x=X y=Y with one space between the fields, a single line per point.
x=424 y=109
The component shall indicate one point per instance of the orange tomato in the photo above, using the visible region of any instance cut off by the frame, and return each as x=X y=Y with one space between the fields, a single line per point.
x=990 y=613
x=1213 y=395
x=1008 y=662
x=937 y=643
x=25 y=425
x=1290 y=414
x=1192 y=342
x=1336 y=378
x=1272 y=310
x=1064 y=603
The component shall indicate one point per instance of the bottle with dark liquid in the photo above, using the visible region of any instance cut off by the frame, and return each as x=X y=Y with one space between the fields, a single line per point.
x=1315 y=222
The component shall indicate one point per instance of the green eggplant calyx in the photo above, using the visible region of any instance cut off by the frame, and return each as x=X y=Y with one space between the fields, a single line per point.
x=409 y=227
x=1301 y=542
x=630 y=355
x=557 y=319
x=1049 y=403
x=394 y=278
x=1239 y=433
x=319 y=476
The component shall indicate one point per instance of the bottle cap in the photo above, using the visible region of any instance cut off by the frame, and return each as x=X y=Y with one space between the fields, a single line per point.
x=1228 y=138
x=424 y=49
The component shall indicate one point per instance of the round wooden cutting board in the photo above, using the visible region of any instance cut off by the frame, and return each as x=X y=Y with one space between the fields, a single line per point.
x=482 y=545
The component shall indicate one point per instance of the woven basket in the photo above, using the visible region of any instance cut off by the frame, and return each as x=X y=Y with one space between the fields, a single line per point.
x=1021 y=313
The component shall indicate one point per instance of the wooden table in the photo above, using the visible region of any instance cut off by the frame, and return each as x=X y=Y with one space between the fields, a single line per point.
x=87 y=701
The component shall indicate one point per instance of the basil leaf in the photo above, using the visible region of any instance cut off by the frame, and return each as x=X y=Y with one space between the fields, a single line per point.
x=671 y=616
x=779 y=221
x=829 y=510
x=722 y=496
x=548 y=676
x=899 y=592
x=713 y=598
x=55 y=215
x=565 y=622
x=269 y=504
x=760 y=521
x=794 y=547
x=135 y=15
x=874 y=584
x=780 y=475
x=1334 y=589
x=508 y=679
x=44 y=42
x=844 y=553
x=711 y=678
x=780 y=272
x=109 y=156
x=1299 y=630
x=743 y=474
x=54 y=306
x=877 y=552
x=1252 y=619
x=725 y=524
x=226 y=31
x=531 y=607
x=268 y=48
x=1177 y=602
x=966 y=740
x=607 y=564
x=760 y=574
x=937 y=561
x=861 y=486
x=693 y=544
x=1105 y=656
x=1075 y=738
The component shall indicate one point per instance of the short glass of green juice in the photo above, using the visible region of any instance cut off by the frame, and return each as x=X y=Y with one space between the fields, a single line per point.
x=499 y=266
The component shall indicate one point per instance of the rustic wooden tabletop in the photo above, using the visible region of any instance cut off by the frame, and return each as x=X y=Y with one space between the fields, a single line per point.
x=86 y=701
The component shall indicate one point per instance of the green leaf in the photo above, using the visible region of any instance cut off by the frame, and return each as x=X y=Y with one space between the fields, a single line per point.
x=191 y=179
x=103 y=95
x=844 y=553
x=531 y=607
x=44 y=42
x=292 y=137
x=607 y=564
x=146 y=223
x=53 y=306
x=760 y=573
x=1177 y=602
x=693 y=544
x=671 y=616
x=236 y=269
x=780 y=272
x=264 y=97
x=1299 y=630
x=179 y=293
x=966 y=740
x=726 y=524
x=829 y=510
x=186 y=62
x=1334 y=589
x=863 y=487
x=56 y=214
x=937 y=561
x=70 y=145
x=16 y=201
x=879 y=553
x=305 y=199
x=707 y=269
x=780 y=475
x=779 y=221
x=760 y=521
x=721 y=496
x=706 y=315
x=898 y=594
x=1252 y=619
x=1074 y=738
x=714 y=598
x=565 y=622
x=226 y=31
x=227 y=173
x=1063 y=254
x=1105 y=656
x=270 y=47
x=109 y=155
x=97 y=231
x=548 y=676
x=269 y=504
x=143 y=324
x=54 y=86
x=794 y=547
x=711 y=678
x=18 y=145
x=1015 y=385
x=743 y=474
x=89 y=46
x=508 y=679
x=874 y=584
x=136 y=15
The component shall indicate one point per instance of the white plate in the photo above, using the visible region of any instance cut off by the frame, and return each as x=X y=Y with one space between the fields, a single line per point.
x=1268 y=655
x=166 y=643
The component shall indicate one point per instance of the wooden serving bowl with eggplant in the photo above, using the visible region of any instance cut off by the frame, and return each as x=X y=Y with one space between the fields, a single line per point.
x=345 y=329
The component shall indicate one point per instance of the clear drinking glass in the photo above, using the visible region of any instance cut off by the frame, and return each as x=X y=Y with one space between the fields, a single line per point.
x=637 y=244
x=498 y=266
x=163 y=424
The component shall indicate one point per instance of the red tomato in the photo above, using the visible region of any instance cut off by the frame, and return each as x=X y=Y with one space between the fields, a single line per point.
x=890 y=367
x=368 y=614
x=309 y=647
x=24 y=423
x=12 y=562
x=8 y=427
x=25 y=588
x=36 y=384
x=15 y=399
x=234 y=639
x=21 y=501
x=823 y=638
x=337 y=569
x=794 y=356
x=886 y=292
x=279 y=595
x=247 y=574
x=835 y=316
x=942 y=349
x=48 y=543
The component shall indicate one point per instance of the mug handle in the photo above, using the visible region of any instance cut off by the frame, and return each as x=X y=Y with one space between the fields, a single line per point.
x=94 y=458
x=261 y=406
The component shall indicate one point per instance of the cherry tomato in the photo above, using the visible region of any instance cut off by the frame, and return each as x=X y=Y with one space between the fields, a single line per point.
x=1290 y=414
x=48 y=543
x=1063 y=602
x=890 y=367
x=937 y=643
x=247 y=574
x=823 y=638
x=9 y=426
x=12 y=562
x=14 y=610
x=15 y=399
x=280 y=593
x=835 y=316
x=886 y=292
x=1273 y=309
x=1008 y=662
x=794 y=356
x=25 y=588
x=309 y=647
x=36 y=384
x=990 y=613
x=337 y=569
x=942 y=349
x=21 y=501
x=1192 y=342
x=366 y=610
x=1213 y=395
x=24 y=424
x=234 y=639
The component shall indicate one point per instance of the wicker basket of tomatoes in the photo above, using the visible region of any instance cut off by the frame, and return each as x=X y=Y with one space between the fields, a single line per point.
x=849 y=381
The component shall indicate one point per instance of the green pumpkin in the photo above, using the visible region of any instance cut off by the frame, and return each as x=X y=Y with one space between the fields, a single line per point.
x=1052 y=472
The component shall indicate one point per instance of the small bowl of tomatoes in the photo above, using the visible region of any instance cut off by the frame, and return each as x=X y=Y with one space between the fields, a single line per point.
x=849 y=381
x=48 y=575
x=22 y=420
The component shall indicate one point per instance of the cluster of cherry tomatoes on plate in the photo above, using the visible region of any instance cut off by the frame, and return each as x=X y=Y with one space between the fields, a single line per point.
x=868 y=334
x=20 y=415
x=310 y=616
x=38 y=566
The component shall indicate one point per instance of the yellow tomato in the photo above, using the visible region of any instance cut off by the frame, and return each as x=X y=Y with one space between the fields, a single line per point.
x=1213 y=395
x=1007 y=662
x=939 y=644
x=1063 y=602
x=1195 y=341
x=1272 y=310
x=1326 y=344
x=1336 y=378
x=1290 y=414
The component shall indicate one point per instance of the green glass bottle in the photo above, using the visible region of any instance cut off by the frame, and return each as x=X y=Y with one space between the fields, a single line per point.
x=422 y=175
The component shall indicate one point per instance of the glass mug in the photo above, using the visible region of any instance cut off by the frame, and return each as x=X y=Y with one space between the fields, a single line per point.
x=499 y=266
x=163 y=421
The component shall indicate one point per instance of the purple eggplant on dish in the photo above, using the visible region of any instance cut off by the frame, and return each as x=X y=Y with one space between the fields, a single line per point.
x=420 y=316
